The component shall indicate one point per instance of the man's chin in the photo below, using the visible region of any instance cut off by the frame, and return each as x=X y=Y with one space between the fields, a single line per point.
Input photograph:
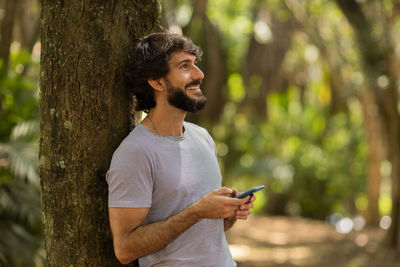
x=187 y=101
x=196 y=97
x=199 y=106
x=196 y=105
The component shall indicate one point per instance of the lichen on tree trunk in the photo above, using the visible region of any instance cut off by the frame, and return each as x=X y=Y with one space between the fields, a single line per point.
x=85 y=107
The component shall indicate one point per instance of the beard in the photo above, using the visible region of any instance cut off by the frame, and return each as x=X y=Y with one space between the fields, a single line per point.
x=178 y=98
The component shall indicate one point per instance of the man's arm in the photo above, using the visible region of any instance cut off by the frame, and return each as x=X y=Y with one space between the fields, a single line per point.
x=133 y=240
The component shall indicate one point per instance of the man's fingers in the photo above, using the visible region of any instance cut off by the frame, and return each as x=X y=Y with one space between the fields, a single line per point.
x=246 y=206
x=244 y=200
x=236 y=201
x=243 y=212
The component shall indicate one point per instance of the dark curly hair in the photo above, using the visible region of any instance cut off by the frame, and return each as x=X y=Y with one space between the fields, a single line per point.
x=149 y=60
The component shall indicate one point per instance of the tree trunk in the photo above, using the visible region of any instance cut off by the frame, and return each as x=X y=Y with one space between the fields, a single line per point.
x=376 y=154
x=7 y=27
x=377 y=62
x=204 y=34
x=338 y=92
x=262 y=72
x=84 y=109
x=28 y=23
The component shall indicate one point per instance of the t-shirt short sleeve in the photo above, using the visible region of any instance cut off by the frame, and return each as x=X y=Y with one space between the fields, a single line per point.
x=210 y=141
x=129 y=178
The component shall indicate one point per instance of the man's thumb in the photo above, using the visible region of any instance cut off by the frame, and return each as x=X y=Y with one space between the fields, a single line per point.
x=224 y=191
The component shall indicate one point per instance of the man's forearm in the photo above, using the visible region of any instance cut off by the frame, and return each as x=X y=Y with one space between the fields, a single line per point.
x=147 y=239
x=134 y=242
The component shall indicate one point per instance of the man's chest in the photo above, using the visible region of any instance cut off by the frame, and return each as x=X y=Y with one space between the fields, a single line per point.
x=182 y=179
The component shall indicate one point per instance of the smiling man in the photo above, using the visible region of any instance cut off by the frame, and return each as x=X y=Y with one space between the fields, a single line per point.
x=166 y=203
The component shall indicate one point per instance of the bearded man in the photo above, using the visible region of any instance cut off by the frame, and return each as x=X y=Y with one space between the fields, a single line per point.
x=166 y=203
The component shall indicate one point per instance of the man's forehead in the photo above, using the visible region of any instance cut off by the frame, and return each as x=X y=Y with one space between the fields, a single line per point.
x=179 y=56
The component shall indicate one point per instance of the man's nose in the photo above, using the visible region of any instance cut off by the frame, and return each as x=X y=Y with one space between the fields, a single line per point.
x=198 y=74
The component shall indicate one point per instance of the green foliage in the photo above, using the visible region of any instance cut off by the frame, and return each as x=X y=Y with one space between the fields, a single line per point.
x=20 y=221
x=18 y=93
x=313 y=161
x=234 y=19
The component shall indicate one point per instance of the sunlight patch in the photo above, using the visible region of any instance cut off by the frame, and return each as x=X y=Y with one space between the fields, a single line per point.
x=279 y=255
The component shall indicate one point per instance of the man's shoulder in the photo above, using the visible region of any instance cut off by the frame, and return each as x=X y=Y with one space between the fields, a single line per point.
x=200 y=132
x=136 y=141
x=196 y=128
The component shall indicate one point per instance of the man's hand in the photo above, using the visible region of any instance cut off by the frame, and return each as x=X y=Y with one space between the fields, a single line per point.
x=242 y=213
x=244 y=210
x=219 y=204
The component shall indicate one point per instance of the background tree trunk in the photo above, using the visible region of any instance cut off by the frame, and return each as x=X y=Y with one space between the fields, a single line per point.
x=378 y=59
x=339 y=93
x=204 y=34
x=262 y=71
x=85 y=109
x=7 y=27
x=28 y=23
x=28 y=27
x=376 y=153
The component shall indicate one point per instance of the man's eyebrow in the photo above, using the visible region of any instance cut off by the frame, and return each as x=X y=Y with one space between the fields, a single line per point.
x=183 y=61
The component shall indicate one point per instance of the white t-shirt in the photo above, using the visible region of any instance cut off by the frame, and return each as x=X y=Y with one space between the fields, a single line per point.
x=167 y=174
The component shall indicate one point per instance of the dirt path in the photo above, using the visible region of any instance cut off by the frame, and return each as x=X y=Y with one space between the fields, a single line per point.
x=285 y=241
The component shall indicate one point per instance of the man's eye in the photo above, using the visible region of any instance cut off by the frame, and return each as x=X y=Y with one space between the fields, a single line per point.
x=183 y=66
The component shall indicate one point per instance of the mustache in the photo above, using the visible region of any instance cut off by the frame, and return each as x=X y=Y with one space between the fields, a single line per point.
x=195 y=82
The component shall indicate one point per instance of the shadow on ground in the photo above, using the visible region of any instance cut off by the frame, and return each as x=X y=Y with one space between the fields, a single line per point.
x=287 y=241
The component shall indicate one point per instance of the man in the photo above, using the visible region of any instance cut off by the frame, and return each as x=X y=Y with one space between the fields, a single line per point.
x=166 y=203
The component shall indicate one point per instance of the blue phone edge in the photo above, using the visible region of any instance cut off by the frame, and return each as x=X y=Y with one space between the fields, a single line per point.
x=251 y=191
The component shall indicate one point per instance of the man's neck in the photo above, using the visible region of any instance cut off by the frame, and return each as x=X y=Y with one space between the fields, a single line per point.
x=165 y=122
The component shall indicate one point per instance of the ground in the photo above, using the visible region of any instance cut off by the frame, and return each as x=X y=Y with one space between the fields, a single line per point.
x=293 y=241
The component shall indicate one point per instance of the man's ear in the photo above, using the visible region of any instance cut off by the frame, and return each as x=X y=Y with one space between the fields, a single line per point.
x=156 y=84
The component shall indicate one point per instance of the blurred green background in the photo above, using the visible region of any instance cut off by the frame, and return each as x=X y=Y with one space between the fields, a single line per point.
x=288 y=107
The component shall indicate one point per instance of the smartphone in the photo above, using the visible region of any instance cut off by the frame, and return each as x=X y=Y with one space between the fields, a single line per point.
x=251 y=191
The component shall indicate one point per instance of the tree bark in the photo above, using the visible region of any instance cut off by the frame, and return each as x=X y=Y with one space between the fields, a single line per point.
x=377 y=58
x=85 y=113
